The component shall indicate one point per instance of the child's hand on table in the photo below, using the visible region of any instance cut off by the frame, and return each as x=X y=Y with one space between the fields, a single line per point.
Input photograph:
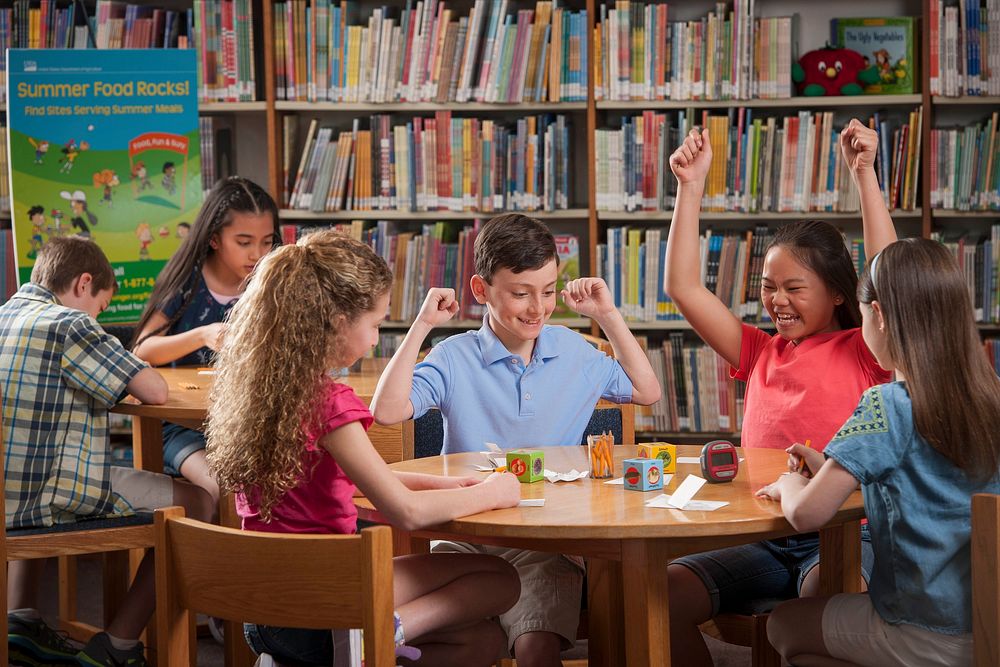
x=804 y=460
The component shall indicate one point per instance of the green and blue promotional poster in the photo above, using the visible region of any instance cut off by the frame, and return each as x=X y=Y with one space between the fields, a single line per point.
x=104 y=144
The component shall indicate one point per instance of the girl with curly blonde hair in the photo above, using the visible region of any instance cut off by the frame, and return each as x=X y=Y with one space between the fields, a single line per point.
x=291 y=443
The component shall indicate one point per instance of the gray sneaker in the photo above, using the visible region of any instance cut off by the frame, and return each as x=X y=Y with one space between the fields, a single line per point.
x=100 y=653
x=32 y=643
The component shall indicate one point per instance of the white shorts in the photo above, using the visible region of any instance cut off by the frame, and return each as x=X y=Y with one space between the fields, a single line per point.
x=853 y=631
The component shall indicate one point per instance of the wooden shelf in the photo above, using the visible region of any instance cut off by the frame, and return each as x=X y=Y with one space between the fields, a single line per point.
x=686 y=437
x=677 y=325
x=421 y=107
x=786 y=103
x=231 y=107
x=966 y=100
x=940 y=213
x=295 y=214
x=664 y=216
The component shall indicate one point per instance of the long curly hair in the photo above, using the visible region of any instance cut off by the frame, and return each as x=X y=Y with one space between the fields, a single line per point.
x=282 y=338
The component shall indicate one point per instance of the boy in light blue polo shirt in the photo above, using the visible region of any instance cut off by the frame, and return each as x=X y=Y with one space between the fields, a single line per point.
x=514 y=381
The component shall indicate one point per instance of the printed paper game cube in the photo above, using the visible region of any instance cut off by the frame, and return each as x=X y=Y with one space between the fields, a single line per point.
x=526 y=464
x=660 y=450
x=643 y=474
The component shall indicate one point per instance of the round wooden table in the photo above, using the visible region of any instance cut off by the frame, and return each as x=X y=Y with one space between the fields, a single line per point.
x=611 y=526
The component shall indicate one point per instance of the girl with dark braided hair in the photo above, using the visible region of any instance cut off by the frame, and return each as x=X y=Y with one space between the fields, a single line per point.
x=183 y=323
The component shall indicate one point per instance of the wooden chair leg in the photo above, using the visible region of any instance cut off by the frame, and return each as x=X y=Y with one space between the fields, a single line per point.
x=762 y=653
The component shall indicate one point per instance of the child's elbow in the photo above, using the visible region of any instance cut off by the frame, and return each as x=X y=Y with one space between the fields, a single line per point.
x=406 y=519
x=382 y=415
x=647 y=395
x=804 y=520
x=157 y=395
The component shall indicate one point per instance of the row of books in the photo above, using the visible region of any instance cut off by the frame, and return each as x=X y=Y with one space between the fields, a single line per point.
x=793 y=163
x=979 y=258
x=633 y=261
x=965 y=48
x=697 y=392
x=430 y=53
x=440 y=255
x=8 y=275
x=216 y=134
x=992 y=346
x=434 y=163
x=965 y=167
x=220 y=30
x=725 y=55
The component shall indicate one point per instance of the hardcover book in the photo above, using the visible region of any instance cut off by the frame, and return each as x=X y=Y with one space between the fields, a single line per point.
x=888 y=44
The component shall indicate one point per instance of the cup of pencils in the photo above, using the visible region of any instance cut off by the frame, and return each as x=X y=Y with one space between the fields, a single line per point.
x=599 y=452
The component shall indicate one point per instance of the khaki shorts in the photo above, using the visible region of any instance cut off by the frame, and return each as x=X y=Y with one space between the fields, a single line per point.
x=551 y=585
x=145 y=491
x=853 y=631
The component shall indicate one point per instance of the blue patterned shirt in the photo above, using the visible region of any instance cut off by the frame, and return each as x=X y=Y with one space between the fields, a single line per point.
x=202 y=310
x=60 y=372
x=919 y=510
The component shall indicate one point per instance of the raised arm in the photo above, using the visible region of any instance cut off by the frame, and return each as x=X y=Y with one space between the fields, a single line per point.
x=590 y=297
x=406 y=508
x=706 y=313
x=391 y=402
x=162 y=349
x=860 y=146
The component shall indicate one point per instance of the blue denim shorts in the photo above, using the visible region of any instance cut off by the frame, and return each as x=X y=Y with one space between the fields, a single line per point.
x=291 y=646
x=752 y=578
x=178 y=444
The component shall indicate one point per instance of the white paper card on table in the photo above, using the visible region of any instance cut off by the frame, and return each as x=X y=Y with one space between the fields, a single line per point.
x=663 y=501
x=620 y=481
x=686 y=491
x=571 y=476
x=532 y=502
x=208 y=372
x=480 y=468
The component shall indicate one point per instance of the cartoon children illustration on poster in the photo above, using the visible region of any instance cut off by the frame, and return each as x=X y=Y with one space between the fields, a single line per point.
x=41 y=148
x=183 y=229
x=169 y=182
x=78 y=204
x=37 y=216
x=107 y=180
x=140 y=177
x=56 y=229
x=144 y=233
x=70 y=152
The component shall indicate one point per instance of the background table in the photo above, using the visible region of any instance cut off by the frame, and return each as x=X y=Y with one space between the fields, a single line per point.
x=629 y=614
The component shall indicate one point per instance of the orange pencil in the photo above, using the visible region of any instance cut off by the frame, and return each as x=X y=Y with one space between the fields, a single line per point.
x=802 y=461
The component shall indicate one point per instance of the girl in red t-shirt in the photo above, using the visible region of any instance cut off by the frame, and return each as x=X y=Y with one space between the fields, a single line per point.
x=802 y=384
x=291 y=443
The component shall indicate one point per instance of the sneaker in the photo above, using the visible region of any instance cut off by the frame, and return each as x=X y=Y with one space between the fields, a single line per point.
x=100 y=653
x=33 y=643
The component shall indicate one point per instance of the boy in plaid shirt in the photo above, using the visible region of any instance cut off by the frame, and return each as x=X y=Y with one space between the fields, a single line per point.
x=60 y=373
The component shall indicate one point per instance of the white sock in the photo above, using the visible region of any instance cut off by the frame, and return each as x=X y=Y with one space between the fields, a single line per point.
x=120 y=644
x=26 y=614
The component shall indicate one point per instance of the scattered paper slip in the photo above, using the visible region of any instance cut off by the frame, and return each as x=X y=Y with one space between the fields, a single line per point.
x=208 y=372
x=570 y=476
x=495 y=461
x=663 y=501
x=686 y=491
x=620 y=481
x=532 y=502
x=480 y=468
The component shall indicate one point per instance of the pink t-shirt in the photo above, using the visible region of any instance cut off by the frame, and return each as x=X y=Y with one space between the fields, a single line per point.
x=805 y=391
x=322 y=502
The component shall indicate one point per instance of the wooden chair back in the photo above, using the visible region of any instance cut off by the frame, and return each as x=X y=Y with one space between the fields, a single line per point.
x=300 y=581
x=985 y=549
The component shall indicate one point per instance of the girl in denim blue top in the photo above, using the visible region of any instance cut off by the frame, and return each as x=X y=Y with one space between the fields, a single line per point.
x=920 y=448
x=183 y=323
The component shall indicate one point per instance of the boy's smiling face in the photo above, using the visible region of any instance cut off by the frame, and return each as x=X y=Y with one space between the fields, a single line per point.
x=518 y=304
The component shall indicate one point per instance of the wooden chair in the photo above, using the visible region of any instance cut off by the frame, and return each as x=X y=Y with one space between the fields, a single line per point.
x=985 y=549
x=111 y=537
x=745 y=630
x=301 y=581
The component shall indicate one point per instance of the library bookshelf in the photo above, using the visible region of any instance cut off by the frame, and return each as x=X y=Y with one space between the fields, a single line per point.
x=267 y=150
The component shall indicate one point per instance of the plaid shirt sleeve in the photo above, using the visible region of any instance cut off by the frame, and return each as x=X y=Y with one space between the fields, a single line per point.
x=95 y=362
